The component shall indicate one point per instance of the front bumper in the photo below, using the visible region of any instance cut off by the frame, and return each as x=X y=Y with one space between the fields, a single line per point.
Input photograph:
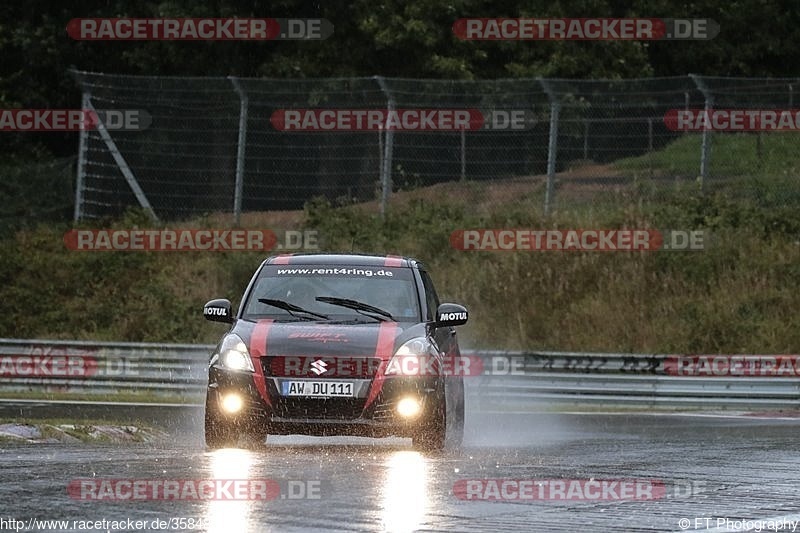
x=328 y=416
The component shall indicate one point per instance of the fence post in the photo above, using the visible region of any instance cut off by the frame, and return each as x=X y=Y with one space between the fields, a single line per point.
x=585 y=140
x=119 y=159
x=386 y=168
x=80 y=181
x=463 y=155
x=705 y=150
x=380 y=147
x=650 y=144
x=552 y=145
x=240 y=150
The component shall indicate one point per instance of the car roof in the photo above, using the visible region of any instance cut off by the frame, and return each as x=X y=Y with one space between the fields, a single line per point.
x=344 y=259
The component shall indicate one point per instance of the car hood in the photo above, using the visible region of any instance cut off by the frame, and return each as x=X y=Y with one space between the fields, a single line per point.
x=271 y=338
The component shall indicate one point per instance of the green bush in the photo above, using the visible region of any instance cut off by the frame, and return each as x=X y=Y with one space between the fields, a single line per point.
x=738 y=295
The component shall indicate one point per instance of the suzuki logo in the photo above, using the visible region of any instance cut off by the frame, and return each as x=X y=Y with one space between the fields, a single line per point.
x=319 y=367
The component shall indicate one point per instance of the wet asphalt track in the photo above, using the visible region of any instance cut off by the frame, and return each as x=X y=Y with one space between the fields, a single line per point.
x=741 y=467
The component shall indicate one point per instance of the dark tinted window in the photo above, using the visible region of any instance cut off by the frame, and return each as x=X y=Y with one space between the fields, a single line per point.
x=430 y=294
x=390 y=289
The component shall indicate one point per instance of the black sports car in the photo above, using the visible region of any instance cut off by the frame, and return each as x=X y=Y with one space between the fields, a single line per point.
x=336 y=345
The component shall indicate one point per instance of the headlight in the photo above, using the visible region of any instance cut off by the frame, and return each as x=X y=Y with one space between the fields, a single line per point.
x=416 y=346
x=232 y=403
x=414 y=358
x=233 y=354
x=408 y=407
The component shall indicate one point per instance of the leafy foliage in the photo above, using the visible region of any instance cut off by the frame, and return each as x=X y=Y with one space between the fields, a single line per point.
x=390 y=38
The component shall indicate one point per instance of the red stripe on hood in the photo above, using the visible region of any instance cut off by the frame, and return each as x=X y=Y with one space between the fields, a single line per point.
x=384 y=349
x=393 y=261
x=258 y=349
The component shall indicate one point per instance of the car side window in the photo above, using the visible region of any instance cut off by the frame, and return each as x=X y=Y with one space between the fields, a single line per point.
x=432 y=300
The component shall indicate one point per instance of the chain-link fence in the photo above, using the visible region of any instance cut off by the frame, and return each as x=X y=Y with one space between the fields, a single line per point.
x=212 y=146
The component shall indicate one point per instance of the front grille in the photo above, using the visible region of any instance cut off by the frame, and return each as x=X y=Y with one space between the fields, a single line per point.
x=384 y=411
x=337 y=367
x=319 y=408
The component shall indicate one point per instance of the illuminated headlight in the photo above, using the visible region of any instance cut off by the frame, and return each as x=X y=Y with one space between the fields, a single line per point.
x=408 y=407
x=233 y=354
x=232 y=403
x=412 y=358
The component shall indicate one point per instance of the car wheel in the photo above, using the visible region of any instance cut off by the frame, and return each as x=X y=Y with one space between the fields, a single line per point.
x=455 y=416
x=220 y=433
x=431 y=435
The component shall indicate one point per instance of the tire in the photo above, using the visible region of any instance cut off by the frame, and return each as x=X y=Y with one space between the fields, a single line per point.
x=220 y=433
x=455 y=419
x=430 y=437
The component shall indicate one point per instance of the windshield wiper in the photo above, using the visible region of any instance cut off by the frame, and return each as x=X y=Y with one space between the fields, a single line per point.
x=357 y=306
x=291 y=308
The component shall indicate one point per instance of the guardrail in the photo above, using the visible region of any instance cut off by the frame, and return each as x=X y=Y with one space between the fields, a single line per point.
x=510 y=379
x=103 y=367
x=525 y=379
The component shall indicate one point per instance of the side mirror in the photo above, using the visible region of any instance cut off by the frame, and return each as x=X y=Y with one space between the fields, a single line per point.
x=451 y=315
x=218 y=310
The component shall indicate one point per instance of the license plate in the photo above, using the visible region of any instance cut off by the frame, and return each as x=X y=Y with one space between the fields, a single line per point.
x=318 y=389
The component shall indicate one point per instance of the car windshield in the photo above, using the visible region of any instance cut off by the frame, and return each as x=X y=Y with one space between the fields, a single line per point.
x=390 y=290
